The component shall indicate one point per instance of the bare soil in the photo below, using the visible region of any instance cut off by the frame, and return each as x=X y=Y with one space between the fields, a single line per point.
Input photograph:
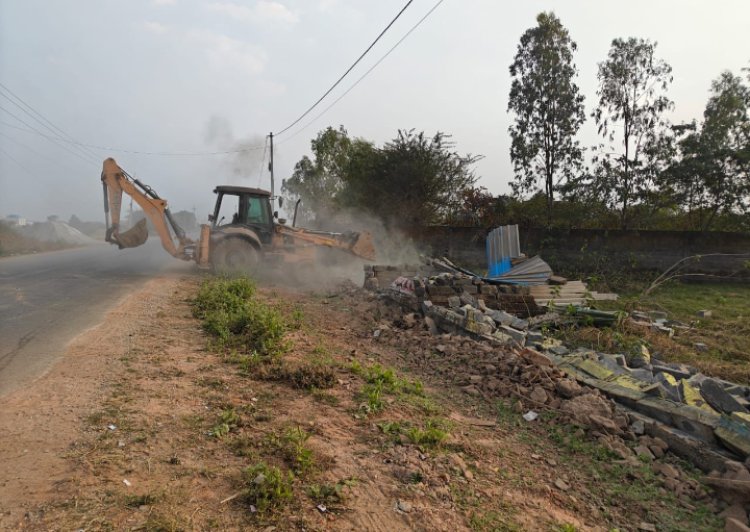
x=122 y=435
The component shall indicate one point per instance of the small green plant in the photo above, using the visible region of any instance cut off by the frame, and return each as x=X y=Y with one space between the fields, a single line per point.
x=291 y=445
x=228 y=420
x=432 y=435
x=329 y=493
x=266 y=487
x=380 y=381
x=391 y=428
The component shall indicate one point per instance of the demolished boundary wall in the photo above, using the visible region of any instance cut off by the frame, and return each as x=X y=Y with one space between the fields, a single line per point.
x=596 y=249
x=702 y=436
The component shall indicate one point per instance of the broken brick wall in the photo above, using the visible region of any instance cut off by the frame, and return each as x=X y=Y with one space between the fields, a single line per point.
x=590 y=250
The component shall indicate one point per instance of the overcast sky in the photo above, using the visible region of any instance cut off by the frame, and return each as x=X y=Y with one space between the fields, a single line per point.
x=201 y=76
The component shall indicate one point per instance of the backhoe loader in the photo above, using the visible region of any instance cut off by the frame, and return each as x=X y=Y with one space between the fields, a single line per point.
x=252 y=236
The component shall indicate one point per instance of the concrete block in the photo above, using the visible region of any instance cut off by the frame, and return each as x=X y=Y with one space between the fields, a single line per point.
x=454 y=302
x=501 y=317
x=559 y=350
x=716 y=396
x=595 y=369
x=518 y=336
x=678 y=371
x=704 y=314
x=534 y=337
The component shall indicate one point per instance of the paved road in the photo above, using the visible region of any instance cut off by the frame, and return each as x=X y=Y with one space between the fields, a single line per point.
x=49 y=298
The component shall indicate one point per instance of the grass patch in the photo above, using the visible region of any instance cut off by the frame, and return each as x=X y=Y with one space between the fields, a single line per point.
x=266 y=487
x=229 y=419
x=432 y=435
x=380 y=381
x=292 y=447
x=237 y=319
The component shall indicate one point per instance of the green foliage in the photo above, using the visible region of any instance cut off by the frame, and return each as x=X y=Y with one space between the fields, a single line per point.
x=410 y=180
x=222 y=295
x=266 y=487
x=632 y=102
x=329 y=494
x=548 y=109
x=291 y=446
x=232 y=314
x=433 y=434
x=380 y=381
x=228 y=420
x=710 y=178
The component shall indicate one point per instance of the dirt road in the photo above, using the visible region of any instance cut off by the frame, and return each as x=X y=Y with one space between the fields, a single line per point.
x=147 y=425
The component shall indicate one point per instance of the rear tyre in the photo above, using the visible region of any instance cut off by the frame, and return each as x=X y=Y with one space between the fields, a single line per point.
x=235 y=256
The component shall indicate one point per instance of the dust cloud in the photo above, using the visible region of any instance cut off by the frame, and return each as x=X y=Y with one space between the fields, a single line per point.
x=249 y=164
x=333 y=267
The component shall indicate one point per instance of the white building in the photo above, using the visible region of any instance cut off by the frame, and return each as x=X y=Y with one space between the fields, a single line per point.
x=15 y=219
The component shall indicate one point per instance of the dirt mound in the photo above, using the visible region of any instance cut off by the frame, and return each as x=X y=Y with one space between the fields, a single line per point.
x=55 y=231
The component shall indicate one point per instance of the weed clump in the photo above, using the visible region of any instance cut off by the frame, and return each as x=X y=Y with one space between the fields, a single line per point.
x=291 y=446
x=232 y=314
x=266 y=487
x=380 y=381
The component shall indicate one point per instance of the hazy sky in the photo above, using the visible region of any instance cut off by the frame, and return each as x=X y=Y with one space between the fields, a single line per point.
x=201 y=76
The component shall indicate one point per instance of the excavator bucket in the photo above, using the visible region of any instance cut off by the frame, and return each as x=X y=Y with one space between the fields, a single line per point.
x=363 y=246
x=133 y=237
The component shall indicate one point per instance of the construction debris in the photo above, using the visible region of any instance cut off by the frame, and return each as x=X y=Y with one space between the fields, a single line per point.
x=702 y=419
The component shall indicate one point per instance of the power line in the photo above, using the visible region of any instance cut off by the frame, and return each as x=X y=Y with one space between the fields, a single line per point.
x=337 y=100
x=40 y=118
x=35 y=152
x=51 y=139
x=9 y=156
x=122 y=150
x=348 y=70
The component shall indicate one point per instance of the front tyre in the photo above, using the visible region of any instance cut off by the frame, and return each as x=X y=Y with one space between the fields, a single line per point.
x=235 y=256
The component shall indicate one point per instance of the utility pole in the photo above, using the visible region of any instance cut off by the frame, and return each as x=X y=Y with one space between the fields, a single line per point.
x=270 y=163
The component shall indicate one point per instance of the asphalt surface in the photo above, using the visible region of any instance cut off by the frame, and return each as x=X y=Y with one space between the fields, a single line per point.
x=49 y=298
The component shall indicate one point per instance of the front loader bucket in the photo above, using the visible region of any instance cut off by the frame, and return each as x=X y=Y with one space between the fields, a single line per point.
x=363 y=246
x=133 y=237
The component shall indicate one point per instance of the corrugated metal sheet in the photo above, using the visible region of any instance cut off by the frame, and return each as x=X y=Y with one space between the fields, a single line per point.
x=502 y=245
x=530 y=272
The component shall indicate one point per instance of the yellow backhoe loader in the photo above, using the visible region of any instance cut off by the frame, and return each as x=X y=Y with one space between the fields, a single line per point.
x=253 y=235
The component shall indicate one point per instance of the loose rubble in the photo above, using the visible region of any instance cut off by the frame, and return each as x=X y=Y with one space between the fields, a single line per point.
x=495 y=337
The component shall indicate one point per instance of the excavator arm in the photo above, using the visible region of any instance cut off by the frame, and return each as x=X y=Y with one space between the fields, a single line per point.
x=115 y=181
x=359 y=244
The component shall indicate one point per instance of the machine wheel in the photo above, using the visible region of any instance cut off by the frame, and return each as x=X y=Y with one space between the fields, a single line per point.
x=235 y=256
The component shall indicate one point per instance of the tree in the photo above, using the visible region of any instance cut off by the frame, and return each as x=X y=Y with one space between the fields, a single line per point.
x=412 y=180
x=713 y=174
x=548 y=108
x=318 y=181
x=632 y=103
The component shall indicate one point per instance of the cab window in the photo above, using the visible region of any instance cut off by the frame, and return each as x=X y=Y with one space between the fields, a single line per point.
x=257 y=213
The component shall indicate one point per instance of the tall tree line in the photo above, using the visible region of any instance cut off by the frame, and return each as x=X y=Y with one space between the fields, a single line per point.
x=644 y=165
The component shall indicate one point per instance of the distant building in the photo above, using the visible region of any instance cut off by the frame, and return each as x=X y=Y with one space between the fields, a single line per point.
x=15 y=219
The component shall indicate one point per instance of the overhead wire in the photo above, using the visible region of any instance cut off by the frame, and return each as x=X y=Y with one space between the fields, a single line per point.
x=39 y=117
x=24 y=168
x=137 y=152
x=337 y=100
x=34 y=151
x=56 y=140
x=313 y=106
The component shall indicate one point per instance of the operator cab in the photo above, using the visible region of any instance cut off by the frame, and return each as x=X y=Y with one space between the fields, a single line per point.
x=243 y=207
